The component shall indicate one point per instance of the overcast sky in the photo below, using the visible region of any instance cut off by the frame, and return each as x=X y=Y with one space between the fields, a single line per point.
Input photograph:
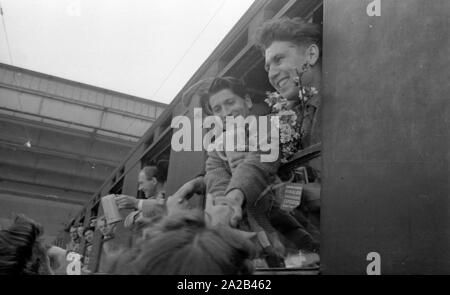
x=129 y=46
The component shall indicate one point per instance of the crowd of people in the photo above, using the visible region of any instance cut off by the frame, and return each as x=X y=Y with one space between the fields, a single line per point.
x=243 y=224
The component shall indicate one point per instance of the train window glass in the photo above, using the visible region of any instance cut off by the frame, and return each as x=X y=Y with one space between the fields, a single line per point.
x=318 y=15
x=166 y=124
x=234 y=50
x=159 y=147
x=304 y=9
x=117 y=188
x=273 y=7
x=149 y=141
x=94 y=208
x=256 y=76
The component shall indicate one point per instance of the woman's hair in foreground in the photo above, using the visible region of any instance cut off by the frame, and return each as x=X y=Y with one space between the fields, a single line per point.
x=295 y=30
x=21 y=249
x=182 y=244
x=159 y=171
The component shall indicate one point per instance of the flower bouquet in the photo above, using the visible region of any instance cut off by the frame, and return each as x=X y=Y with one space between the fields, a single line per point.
x=290 y=123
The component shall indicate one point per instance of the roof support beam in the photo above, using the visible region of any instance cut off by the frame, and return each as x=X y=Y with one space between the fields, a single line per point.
x=79 y=191
x=72 y=101
x=69 y=122
x=53 y=152
x=41 y=196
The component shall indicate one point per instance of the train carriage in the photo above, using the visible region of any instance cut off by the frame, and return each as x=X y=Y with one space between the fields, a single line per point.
x=384 y=150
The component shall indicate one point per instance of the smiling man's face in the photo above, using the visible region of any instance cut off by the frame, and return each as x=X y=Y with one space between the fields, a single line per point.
x=282 y=61
x=73 y=233
x=226 y=103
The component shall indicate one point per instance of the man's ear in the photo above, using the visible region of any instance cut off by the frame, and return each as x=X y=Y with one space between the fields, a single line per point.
x=248 y=101
x=154 y=180
x=312 y=54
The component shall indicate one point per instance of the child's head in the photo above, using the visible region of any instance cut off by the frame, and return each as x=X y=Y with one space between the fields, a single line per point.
x=181 y=244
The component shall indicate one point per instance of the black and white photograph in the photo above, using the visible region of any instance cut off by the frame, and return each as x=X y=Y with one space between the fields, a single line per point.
x=225 y=137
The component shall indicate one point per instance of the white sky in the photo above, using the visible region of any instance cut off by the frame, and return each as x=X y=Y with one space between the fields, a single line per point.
x=129 y=46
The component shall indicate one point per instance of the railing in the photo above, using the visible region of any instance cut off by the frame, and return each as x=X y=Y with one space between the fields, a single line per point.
x=302 y=157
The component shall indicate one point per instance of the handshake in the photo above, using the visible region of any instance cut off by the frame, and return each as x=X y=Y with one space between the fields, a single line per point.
x=226 y=210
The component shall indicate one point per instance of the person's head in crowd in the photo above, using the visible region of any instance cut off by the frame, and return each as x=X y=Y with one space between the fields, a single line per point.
x=103 y=226
x=89 y=235
x=182 y=244
x=80 y=230
x=227 y=96
x=288 y=44
x=152 y=179
x=73 y=231
x=93 y=221
x=22 y=250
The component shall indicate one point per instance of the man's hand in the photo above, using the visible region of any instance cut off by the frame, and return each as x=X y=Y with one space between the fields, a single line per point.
x=235 y=199
x=219 y=213
x=176 y=203
x=126 y=202
x=179 y=200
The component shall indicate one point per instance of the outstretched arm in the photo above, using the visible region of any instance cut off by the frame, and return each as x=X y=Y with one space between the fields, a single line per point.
x=217 y=176
x=179 y=200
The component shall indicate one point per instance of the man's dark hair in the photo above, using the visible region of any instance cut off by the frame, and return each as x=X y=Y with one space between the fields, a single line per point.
x=295 y=30
x=159 y=171
x=88 y=229
x=237 y=86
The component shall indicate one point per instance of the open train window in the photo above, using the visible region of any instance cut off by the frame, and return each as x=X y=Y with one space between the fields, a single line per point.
x=117 y=188
x=301 y=171
x=158 y=150
x=94 y=209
